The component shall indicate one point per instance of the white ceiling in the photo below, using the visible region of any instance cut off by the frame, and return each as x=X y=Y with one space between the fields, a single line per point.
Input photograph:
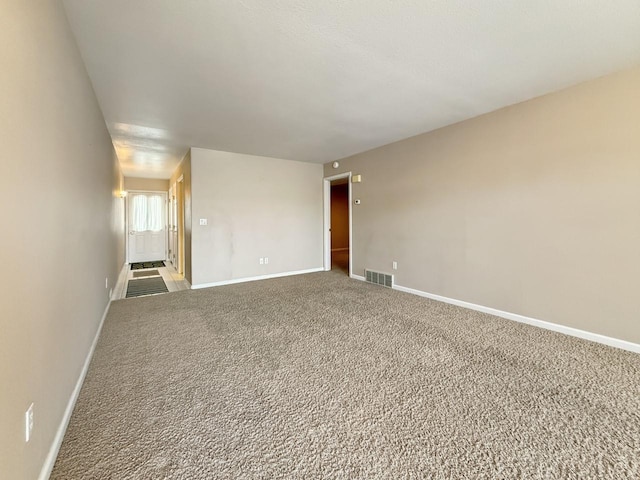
x=318 y=80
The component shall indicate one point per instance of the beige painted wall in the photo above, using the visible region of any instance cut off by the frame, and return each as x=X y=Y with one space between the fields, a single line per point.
x=533 y=209
x=339 y=216
x=148 y=184
x=255 y=207
x=117 y=218
x=63 y=231
x=184 y=171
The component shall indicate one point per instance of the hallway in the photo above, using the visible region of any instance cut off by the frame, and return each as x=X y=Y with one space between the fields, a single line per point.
x=174 y=281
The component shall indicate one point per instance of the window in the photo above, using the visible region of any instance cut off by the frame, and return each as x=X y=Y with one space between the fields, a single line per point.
x=147 y=213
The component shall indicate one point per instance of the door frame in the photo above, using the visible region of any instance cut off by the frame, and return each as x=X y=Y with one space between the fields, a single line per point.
x=166 y=219
x=327 y=220
x=171 y=198
x=180 y=223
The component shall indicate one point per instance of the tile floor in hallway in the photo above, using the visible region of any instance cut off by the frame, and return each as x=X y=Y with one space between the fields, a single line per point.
x=174 y=280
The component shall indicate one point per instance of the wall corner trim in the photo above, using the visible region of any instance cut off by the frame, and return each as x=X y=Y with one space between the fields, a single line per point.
x=574 y=332
x=252 y=279
x=50 y=460
x=122 y=280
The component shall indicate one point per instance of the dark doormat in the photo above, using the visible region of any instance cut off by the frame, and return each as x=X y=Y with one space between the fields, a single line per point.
x=146 y=286
x=146 y=273
x=141 y=265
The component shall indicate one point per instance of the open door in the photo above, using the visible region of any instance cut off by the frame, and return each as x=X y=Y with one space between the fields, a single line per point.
x=340 y=248
x=338 y=253
x=172 y=228
x=180 y=234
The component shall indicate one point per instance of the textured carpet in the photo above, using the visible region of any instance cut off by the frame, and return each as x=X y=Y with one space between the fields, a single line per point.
x=321 y=376
x=340 y=261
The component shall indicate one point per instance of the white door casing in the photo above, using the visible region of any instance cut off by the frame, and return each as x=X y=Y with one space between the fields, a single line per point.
x=169 y=225
x=180 y=222
x=174 y=229
x=172 y=232
x=147 y=218
x=327 y=220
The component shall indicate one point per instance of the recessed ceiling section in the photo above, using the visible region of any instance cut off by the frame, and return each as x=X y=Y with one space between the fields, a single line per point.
x=320 y=80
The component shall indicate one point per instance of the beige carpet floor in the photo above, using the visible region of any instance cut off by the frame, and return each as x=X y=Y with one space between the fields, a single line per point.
x=340 y=261
x=320 y=376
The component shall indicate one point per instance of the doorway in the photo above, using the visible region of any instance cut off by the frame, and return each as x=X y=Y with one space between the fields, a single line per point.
x=337 y=216
x=147 y=219
x=340 y=225
x=173 y=228
x=179 y=233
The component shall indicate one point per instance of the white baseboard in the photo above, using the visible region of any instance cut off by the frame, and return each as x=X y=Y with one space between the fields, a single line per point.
x=574 y=332
x=345 y=249
x=357 y=277
x=121 y=282
x=50 y=461
x=252 y=279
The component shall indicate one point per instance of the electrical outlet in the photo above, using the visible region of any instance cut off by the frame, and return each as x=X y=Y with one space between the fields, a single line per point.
x=261 y=260
x=28 y=423
x=395 y=265
x=106 y=282
x=266 y=260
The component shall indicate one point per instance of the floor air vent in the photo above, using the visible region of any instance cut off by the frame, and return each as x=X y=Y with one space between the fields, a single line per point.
x=379 y=278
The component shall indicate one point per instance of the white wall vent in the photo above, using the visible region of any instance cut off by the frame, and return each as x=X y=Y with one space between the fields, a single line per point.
x=379 y=278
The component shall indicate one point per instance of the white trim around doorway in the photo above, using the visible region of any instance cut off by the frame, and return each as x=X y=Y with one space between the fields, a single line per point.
x=327 y=221
x=165 y=195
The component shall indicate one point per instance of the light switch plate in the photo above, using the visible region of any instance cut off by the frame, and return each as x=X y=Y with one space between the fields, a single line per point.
x=203 y=221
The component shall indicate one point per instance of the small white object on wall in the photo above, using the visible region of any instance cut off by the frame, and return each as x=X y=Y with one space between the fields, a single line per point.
x=28 y=420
